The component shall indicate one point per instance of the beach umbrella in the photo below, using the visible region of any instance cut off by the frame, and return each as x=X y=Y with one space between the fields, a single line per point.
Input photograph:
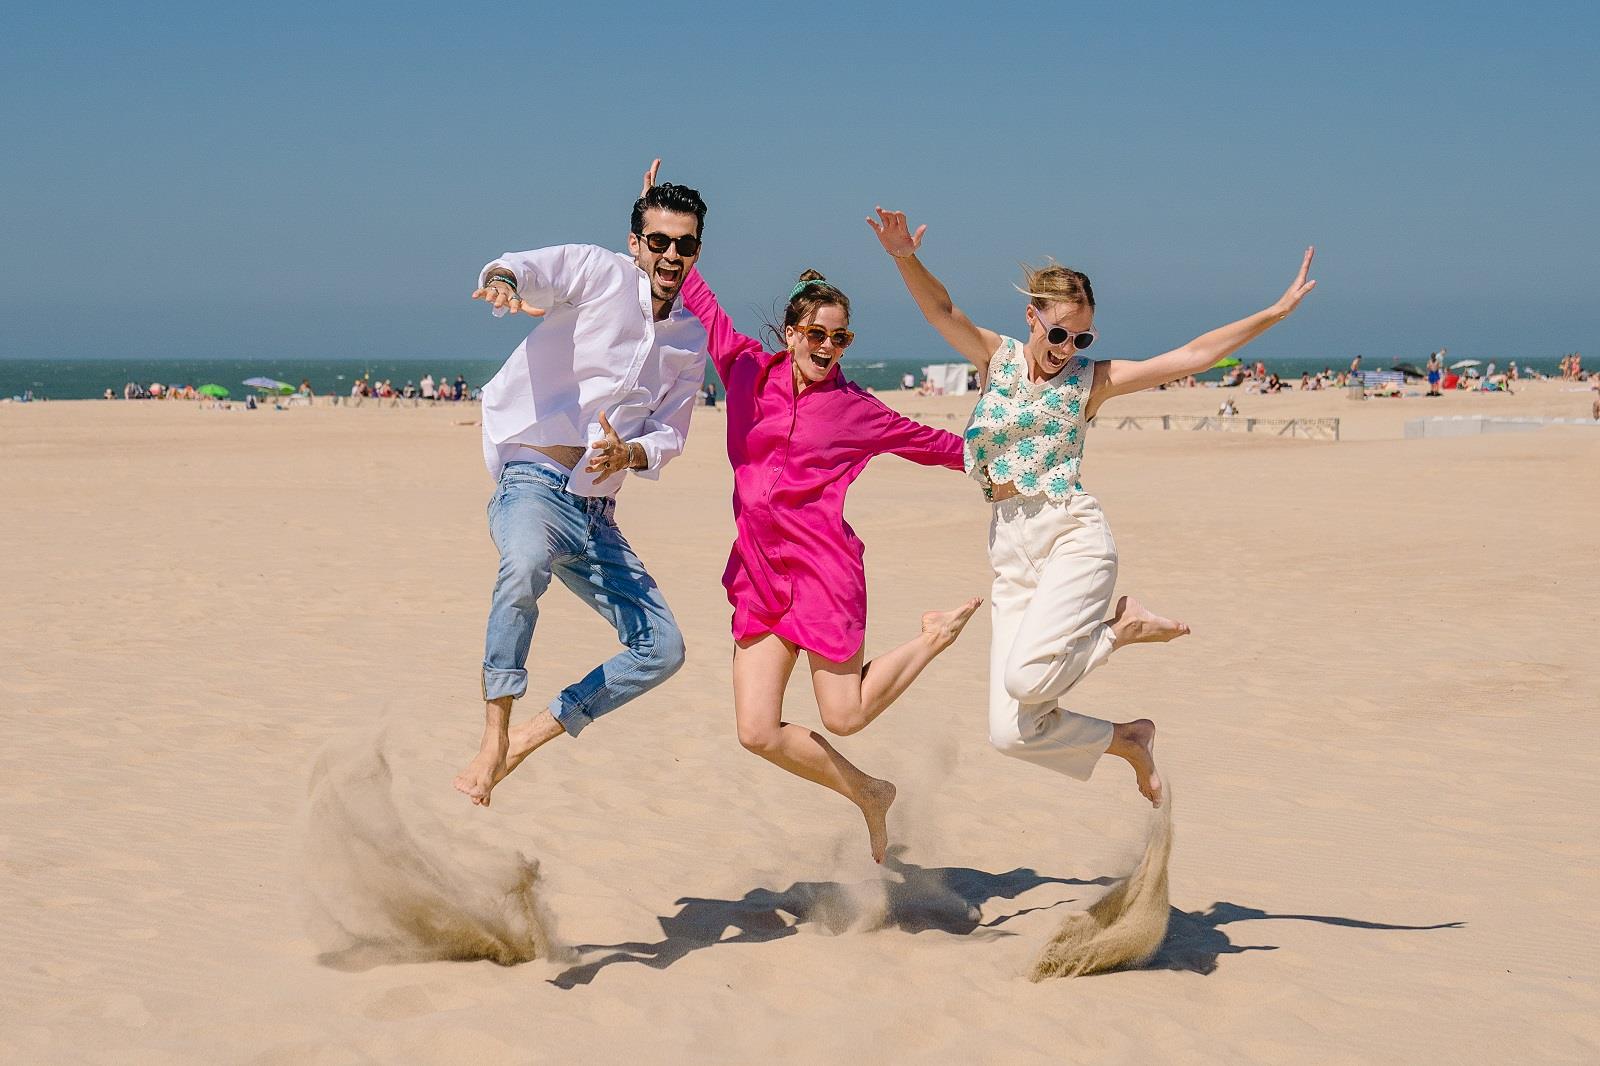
x=1465 y=362
x=1227 y=360
x=216 y=391
x=269 y=385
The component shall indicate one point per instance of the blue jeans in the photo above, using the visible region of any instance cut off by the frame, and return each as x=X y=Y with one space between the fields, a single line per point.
x=543 y=530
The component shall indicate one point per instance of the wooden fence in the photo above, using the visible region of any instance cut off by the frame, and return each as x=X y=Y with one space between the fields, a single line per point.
x=1306 y=428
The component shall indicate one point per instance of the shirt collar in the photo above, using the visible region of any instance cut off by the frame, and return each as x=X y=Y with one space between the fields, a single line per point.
x=678 y=312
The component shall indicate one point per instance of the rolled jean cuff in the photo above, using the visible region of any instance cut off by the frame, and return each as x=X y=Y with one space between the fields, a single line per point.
x=573 y=718
x=498 y=684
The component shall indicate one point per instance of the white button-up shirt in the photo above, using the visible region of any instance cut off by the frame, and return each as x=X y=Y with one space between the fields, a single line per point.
x=599 y=349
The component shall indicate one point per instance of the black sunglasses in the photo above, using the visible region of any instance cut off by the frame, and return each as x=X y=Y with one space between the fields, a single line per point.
x=1057 y=336
x=659 y=242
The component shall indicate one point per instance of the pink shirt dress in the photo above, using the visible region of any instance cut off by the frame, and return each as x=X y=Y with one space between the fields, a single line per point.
x=796 y=566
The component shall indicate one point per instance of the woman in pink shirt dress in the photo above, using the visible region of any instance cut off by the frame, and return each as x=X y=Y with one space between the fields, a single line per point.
x=798 y=434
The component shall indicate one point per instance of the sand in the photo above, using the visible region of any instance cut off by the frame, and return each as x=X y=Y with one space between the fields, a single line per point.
x=1382 y=733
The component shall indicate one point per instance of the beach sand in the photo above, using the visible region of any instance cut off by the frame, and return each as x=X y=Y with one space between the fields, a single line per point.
x=1382 y=731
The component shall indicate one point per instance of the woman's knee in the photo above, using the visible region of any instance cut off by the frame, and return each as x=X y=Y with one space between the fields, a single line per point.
x=843 y=720
x=761 y=739
x=1025 y=681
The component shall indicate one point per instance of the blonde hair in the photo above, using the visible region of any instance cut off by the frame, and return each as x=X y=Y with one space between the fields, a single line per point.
x=1054 y=283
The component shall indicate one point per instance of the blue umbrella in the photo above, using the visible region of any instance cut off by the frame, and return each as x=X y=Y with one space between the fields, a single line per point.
x=269 y=385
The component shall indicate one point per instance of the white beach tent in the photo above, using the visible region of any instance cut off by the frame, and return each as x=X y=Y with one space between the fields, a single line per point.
x=949 y=379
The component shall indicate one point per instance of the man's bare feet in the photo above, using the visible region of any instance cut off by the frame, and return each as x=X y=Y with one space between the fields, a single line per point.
x=941 y=628
x=875 y=800
x=524 y=739
x=483 y=773
x=1136 y=742
x=1134 y=624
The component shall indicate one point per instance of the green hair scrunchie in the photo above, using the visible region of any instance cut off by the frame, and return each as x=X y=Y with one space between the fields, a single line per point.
x=798 y=289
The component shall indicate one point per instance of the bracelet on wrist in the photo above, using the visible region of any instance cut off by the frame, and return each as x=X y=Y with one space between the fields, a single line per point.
x=510 y=283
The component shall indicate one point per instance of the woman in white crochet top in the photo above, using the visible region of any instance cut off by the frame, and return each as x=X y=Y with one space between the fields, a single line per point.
x=1055 y=563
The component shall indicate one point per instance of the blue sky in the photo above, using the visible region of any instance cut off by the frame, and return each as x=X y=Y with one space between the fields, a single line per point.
x=324 y=180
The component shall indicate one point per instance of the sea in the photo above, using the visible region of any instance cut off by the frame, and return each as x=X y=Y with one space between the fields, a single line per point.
x=87 y=379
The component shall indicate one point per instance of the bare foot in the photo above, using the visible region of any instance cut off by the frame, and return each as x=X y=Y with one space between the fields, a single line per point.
x=1134 y=624
x=875 y=800
x=482 y=774
x=941 y=628
x=522 y=740
x=1136 y=742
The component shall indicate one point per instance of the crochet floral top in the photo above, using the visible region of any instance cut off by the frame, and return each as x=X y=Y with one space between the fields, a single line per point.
x=1029 y=432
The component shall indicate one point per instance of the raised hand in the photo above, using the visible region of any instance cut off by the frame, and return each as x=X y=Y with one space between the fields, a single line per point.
x=895 y=234
x=611 y=454
x=502 y=297
x=650 y=176
x=1297 y=289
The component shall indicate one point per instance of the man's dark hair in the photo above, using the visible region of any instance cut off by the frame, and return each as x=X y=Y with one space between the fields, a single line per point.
x=669 y=197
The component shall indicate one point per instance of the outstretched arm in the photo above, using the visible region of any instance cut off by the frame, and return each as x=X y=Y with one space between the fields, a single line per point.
x=534 y=281
x=933 y=300
x=724 y=344
x=1118 y=376
x=895 y=434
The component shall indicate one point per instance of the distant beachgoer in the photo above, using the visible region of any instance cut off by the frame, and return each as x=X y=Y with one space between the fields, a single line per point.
x=1355 y=366
x=612 y=375
x=461 y=390
x=1228 y=408
x=428 y=390
x=1305 y=380
x=1054 y=560
x=1435 y=372
x=799 y=433
x=908 y=381
x=305 y=389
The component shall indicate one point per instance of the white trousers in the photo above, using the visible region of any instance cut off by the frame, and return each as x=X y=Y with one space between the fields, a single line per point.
x=1055 y=568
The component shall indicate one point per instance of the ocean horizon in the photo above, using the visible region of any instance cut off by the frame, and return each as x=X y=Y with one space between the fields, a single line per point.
x=88 y=379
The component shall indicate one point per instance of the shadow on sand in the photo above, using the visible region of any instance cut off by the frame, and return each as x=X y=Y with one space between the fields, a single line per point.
x=1195 y=939
x=945 y=898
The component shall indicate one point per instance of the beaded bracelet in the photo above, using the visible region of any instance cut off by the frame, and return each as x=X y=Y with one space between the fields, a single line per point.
x=502 y=279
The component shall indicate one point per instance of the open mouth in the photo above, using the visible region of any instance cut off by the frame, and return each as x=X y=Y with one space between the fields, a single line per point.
x=821 y=362
x=668 y=276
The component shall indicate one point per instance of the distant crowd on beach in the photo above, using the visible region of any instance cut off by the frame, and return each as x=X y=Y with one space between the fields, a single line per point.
x=432 y=389
x=440 y=389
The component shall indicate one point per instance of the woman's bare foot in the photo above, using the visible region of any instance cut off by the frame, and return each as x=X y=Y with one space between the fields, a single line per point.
x=875 y=800
x=1136 y=742
x=483 y=772
x=941 y=628
x=1134 y=624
